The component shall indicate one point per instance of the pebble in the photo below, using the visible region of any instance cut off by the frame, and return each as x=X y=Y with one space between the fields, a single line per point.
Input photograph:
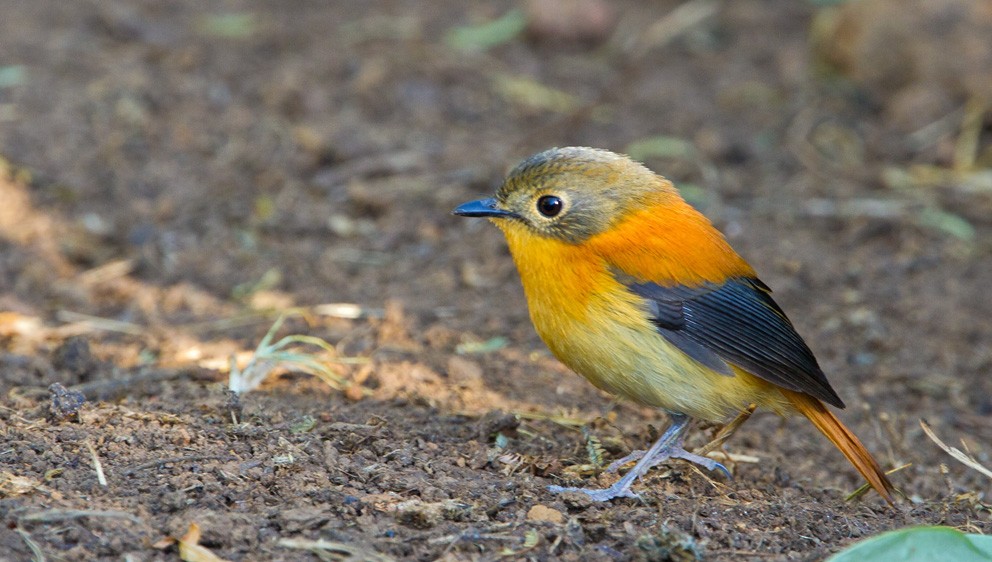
x=544 y=513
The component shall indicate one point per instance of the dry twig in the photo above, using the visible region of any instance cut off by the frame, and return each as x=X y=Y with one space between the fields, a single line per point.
x=957 y=454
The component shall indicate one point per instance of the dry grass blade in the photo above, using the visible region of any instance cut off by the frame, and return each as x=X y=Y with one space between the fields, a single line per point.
x=97 y=465
x=563 y=421
x=680 y=20
x=107 y=272
x=89 y=322
x=956 y=453
x=967 y=145
x=863 y=489
x=51 y=515
x=350 y=311
x=331 y=550
x=36 y=554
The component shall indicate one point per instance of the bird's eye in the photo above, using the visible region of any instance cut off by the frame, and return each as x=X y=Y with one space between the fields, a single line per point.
x=549 y=205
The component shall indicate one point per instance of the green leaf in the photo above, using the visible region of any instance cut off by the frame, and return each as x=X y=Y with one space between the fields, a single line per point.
x=234 y=25
x=530 y=93
x=485 y=36
x=488 y=346
x=696 y=195
x=919 y=544
x=661 y=146
x=13 y=75
x=947 y=222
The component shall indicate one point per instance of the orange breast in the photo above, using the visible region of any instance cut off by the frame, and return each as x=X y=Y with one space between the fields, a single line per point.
x=669 y=243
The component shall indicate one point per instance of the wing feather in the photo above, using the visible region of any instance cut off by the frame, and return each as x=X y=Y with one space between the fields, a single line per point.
x=737 y=323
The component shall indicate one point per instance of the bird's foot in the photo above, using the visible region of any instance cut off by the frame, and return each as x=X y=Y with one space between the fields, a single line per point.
x=665 y=454
x=705 y=462
x=668 y=446
x=599 y=494
x=633 y=456
x=621 y=489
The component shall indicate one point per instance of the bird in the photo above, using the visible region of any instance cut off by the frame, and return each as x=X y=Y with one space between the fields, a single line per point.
x=634 y=289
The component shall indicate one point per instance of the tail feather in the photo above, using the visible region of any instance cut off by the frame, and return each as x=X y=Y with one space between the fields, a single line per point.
x=844 y=439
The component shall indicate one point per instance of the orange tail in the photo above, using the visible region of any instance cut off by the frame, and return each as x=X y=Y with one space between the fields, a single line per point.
x=844 y=439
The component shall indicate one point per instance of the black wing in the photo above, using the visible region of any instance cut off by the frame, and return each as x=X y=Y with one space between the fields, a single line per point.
x=737 y=323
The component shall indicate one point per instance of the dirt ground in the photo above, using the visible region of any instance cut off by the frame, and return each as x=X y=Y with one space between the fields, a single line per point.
x=176 y=173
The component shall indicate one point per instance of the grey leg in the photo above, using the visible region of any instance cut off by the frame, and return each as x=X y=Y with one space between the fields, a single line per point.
x=669 y=445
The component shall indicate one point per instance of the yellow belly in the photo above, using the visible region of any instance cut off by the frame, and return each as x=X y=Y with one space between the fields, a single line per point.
x=641 y=365
x=603 y=332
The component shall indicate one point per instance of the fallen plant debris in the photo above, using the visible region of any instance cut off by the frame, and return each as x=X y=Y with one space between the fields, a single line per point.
x=269 y=356
x=962 y=457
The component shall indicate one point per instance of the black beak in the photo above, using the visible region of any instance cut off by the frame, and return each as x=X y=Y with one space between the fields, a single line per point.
x=481 y=208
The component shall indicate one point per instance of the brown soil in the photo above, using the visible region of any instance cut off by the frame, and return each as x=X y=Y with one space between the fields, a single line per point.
x=178 y=171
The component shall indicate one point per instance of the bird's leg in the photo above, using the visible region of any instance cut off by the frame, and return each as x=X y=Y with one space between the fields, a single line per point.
x=676 y=451
x=667 y=446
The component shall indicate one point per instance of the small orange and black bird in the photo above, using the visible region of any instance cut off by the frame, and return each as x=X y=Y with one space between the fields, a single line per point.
x=635 y=290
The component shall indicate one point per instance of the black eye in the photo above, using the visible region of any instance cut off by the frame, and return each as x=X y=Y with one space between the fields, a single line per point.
x=549 y=205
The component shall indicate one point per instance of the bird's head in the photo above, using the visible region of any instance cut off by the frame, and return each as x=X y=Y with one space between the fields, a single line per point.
x=570 y=194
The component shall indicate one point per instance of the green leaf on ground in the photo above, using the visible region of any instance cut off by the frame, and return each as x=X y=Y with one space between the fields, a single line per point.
x=530 y=93
x=488 y=346
x=948 y=223
x=13 y=75
x=661 y=146
x=919 y=544
x=234 y=25
x=482 y=37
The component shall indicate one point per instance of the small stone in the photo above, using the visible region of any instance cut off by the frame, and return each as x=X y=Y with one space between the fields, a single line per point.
x=544 y=513
x=65 y=404
x=354 y=392
x=571 y=20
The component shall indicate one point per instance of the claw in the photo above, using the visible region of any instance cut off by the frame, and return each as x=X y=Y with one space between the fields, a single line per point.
x=705 y=462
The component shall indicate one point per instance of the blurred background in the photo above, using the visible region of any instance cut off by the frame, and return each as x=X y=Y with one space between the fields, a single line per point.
x=173 y=175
